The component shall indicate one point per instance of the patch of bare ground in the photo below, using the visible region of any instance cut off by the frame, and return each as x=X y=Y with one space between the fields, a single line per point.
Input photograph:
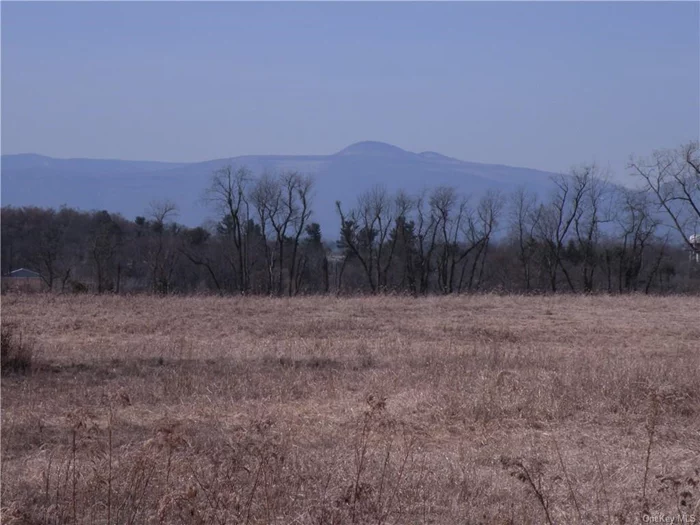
x=479 y=409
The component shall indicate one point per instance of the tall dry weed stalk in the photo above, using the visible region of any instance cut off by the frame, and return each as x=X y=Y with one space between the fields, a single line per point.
x=570 y=486
x=533 y=477
x=603 y=487
x=651 y=424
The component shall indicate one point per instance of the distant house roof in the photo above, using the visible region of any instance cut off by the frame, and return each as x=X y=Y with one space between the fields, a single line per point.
x=24 y=273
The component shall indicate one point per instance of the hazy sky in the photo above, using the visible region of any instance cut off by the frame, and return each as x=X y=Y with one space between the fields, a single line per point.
x=540 y=85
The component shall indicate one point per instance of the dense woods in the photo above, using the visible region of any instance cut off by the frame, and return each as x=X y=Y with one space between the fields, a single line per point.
x=587 y=236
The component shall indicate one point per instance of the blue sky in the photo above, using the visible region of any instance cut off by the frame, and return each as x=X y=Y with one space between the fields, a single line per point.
x=542 y=85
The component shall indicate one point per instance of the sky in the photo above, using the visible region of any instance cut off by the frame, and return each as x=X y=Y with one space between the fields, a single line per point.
x=544 y=85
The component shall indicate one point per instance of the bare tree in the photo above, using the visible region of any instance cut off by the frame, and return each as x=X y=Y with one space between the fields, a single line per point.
x=673 y=178
x=281 y=215
x=105 y=241
x=555 y=223
x=463 y=236
x=449 y=210
x=161 y=252
x=195 y=247
x=637 y=226
x=481 y=226
x=265 y=197
x=227 y=195
x=284 y=203
x=524 y=220
x=51 y=245
x=426 y=231
x=594 y=210
x=365 y=233
x=299 y=201
x=404 y=241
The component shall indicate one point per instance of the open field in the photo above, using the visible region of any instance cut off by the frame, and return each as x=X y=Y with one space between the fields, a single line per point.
x=479 y=409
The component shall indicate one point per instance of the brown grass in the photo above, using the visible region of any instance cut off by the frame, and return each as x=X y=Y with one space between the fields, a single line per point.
x=480 y=409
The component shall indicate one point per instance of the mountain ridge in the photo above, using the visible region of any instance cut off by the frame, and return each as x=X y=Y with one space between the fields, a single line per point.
x=354 y=146
x=127 y=186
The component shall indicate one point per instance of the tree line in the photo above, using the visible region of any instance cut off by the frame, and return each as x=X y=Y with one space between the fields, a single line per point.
x=587 y=236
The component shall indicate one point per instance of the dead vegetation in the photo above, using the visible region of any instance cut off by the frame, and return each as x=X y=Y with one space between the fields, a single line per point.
x=479 y=409
x=15 y=354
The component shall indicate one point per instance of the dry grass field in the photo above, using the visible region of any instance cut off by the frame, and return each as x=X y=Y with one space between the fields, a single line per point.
x=480 y=409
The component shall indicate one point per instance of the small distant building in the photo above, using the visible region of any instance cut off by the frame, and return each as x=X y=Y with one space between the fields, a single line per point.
x=23 y=273
x=22 y=280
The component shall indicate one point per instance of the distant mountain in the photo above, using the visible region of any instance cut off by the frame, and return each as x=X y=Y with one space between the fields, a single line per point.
x=128 y=186
x=31 y=161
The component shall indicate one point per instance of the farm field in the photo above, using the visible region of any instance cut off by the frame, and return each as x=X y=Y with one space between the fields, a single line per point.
x=472 y=409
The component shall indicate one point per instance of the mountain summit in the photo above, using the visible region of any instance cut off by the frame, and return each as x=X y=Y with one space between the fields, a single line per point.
x=370 y=147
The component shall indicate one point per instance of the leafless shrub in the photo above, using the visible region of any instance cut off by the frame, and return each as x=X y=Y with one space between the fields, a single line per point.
x=16 y=353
